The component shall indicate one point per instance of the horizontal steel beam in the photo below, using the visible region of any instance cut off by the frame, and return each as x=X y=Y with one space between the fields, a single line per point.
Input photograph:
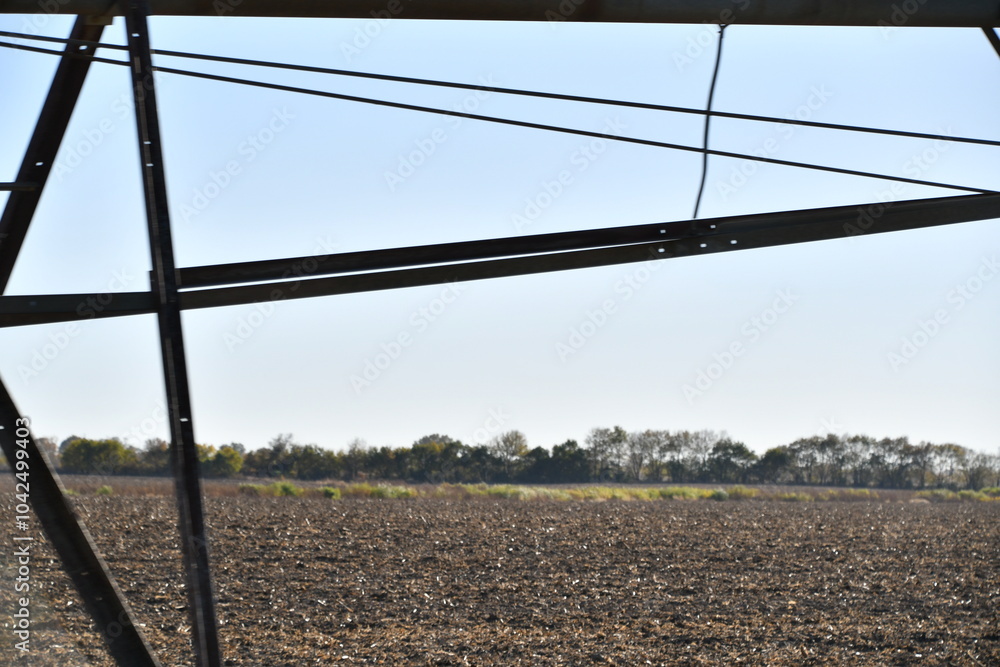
x=392 y=258
x=928 y=13
x=705 y=237
x=678 y=239
x=48 y=308
x=301 y=268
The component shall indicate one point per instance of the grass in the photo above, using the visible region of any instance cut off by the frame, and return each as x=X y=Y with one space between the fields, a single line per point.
x=849 y=495
x=966 y=495
x=794 y=497
x=159 y=486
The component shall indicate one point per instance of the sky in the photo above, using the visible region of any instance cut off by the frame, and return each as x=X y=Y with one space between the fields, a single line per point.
x=887 y=335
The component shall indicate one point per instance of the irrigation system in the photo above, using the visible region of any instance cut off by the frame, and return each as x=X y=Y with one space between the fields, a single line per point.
x=174 y=289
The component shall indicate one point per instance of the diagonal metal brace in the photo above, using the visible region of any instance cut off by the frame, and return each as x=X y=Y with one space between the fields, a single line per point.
x=101 y=595
x=40 y=155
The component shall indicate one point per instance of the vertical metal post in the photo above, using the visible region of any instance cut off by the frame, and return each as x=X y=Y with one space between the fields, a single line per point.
x=184 y=456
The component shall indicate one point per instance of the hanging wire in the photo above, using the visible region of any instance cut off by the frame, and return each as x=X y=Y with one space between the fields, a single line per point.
x=708 y=120
x=517 y=123
x=504 y=91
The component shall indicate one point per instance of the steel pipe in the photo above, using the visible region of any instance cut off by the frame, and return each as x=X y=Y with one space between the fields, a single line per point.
x=926 y=13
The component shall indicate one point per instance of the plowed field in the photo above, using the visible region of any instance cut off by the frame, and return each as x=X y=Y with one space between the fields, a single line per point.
x=485 y=582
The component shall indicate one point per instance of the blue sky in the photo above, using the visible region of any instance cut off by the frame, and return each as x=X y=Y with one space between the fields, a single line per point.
x=887 y=335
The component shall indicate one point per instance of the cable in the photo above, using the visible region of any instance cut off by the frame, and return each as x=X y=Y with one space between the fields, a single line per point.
x=563 y=130
x=519 y=123
x=708 y=119
x=516 y=91
x=70 y=54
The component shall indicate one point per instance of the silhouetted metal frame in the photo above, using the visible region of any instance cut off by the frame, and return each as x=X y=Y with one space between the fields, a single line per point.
x=991 y=36
x=183 y=451
x=74 y=545
x=889 y=13
x=368 y=270
x=40 y=155
x=374 y=270
x=69 y=537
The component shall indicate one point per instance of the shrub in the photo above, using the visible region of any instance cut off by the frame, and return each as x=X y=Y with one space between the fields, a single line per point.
x=362 y=490
x=968 y=494
x=991 y=491
x=105 y=491
x=719 y=494
x=252 y=489
x=742 y=493
x=331 y=492
x=284 y=489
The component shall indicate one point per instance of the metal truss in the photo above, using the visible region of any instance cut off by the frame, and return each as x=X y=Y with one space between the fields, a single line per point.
x=175 y=289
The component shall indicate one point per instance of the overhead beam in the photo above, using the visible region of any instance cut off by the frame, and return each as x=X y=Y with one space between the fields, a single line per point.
x=926 y=13
x=297 y=278
x=26 y=191
x=705 y=237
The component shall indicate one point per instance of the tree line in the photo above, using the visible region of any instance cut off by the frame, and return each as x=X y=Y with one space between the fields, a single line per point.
x=607 y=455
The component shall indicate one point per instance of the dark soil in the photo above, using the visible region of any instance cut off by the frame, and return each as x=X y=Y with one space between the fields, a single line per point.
x=485 y=582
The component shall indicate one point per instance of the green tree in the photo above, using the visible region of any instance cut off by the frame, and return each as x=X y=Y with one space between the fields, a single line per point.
x=226 y=462
x=774 y=467
x=730 y=461
x=98 y=457
x=569 y=463
x=154 y=459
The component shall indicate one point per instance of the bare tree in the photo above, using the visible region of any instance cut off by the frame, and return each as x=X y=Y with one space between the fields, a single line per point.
x=509 y=447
